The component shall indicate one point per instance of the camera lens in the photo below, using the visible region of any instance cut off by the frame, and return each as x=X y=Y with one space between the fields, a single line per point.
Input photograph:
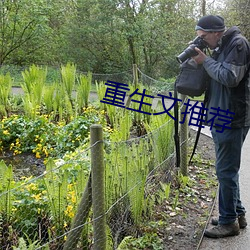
x=187 y=53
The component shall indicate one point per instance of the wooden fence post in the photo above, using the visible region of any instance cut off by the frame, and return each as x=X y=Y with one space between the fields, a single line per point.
x=135 y=75
x=80 y=218
x=98 y=195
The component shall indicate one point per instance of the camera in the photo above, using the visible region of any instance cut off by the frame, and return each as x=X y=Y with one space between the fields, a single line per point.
x=190 y=51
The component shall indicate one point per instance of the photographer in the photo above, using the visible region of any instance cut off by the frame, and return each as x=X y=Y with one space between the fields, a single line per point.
x=229 y=89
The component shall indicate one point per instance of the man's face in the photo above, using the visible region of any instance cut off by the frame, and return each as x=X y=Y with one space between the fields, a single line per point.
x=211 y=38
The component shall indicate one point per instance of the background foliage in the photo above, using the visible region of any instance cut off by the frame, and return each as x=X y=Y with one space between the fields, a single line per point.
x=107 y=35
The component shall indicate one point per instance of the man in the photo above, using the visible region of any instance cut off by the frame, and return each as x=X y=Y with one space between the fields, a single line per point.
x=229 y=90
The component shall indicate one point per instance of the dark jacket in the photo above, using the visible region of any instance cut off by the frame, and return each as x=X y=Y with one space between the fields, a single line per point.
x=229 y=87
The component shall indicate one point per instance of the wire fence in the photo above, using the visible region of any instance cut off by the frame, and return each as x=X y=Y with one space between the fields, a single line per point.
x=41 y=210
x=56 y=210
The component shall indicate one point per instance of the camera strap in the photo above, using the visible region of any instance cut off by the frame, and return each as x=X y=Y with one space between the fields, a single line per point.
x=199 y=130
x=176 y=125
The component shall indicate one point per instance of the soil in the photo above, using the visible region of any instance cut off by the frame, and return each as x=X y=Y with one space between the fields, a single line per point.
x=186 y=223
x=25 y=164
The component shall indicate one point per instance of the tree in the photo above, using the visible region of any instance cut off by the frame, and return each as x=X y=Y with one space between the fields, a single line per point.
x=21 y=21
x=237 y=13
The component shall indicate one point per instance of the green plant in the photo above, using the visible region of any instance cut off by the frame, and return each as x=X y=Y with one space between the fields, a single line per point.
x=126 y=172
x=5 y=89
x=101 y=90
x=44 y=137
x=176 y=199
x=139 y=102
x=28 y=244
x=34 y=81
x=56 y=187
x=6 y=184
x=30 y=207
x=68 y=74
x=184 y=181
x=122 y=122
x=83 y=90
x=164 y=191
x=161 y=133
x=147 y=241
x=48 y=98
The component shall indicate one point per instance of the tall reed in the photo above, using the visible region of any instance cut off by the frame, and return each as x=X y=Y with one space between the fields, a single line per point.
x=5 y=90
x=6 y=184
x=56 y=184
x=160 y=131
x=101 y=90
x=83 y=90
x=33 y=86
x=48 y=98
x=68 y=74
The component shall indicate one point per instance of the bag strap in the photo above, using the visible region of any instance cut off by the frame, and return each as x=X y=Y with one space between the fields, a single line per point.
x=176 y=135
x=176 y=115
x=199 y=130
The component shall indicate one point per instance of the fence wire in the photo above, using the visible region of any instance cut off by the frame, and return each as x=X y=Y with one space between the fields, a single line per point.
x=156 y=85
x=43 y=211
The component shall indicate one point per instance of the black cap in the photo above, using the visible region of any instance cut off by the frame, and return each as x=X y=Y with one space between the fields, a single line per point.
x=210 y=23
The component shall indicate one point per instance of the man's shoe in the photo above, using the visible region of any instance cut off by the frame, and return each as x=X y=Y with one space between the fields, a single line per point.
x=241 y=219
x=221 y=231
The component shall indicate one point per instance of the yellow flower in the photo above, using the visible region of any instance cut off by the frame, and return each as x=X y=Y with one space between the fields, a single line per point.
x=16 y=152
x=31 y=187
x=38 y=155
x=73 y=199
x=69 y=211
x=45 y=151
x=14 y=209
x=37 y=196
x=6 y=132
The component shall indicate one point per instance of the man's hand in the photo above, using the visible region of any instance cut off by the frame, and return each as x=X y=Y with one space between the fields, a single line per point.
x=200 y=58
